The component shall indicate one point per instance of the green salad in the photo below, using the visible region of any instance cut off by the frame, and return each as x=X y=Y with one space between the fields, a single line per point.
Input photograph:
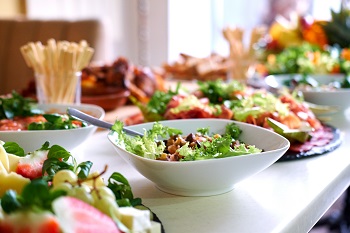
x=24 y=112
x=304 y=59
x=198 y=145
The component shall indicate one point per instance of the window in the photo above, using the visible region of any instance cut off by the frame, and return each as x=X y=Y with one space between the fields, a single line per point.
x=150 y=32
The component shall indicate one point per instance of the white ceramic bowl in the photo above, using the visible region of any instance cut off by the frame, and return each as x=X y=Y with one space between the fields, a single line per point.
x=207 y=177
x=31 y=140
x=339 y=97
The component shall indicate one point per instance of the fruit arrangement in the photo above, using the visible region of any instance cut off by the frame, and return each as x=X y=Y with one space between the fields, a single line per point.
x=306 y=46
x=48 y=191
x=299 y=29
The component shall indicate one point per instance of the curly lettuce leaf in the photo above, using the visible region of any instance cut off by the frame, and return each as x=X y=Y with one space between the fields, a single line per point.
x=147 y=146
x=219 y=148
x=150 y=147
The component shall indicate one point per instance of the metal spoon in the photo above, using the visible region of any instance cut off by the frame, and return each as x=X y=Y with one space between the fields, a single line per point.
x=97 y=122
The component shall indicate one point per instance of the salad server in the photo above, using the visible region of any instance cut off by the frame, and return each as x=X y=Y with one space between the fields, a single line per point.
x=97 y=122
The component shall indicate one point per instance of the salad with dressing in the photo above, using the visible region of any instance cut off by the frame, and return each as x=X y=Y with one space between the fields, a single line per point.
x=198 y=145
x=235 y=100
x=19 y=113
x=304 y=59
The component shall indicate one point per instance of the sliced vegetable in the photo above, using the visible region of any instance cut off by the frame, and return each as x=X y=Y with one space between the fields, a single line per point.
x=291 y=134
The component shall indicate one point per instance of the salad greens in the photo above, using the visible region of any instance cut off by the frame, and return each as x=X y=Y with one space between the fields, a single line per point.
x=254 y=104
x=57 y=121
x=147 y=146
x=150 y=147
x=156 y=107
x=17 y=105
x=35 y=196
x=304 y=59
x=14 y=148
x=218 y=91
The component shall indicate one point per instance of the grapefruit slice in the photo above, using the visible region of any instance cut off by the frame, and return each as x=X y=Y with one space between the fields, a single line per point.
x=76 y=216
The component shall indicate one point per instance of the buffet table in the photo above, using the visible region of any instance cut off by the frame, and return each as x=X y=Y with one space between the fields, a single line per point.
x=289 y=196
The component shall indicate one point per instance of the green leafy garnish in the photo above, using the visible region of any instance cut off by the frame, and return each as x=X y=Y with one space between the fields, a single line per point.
x=219 y=147
x=39 y=194
x=218 y=91
x=36 y=196
x=122 y=190
x=156 y=106
x=149 y=147
x=56 y=121
x=233 y=130
x=203 y=131
x=17 y=105
x=10 y=202
x=58 y=159
x=84 y=169
x=14 y=148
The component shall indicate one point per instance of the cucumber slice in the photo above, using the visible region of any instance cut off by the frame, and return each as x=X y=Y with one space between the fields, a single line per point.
x=293 y=135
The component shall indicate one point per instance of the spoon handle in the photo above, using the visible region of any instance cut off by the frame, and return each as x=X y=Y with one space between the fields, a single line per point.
x=97 y=122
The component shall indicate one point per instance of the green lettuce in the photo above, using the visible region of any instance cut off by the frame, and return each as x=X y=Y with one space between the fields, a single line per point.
x=150 y=146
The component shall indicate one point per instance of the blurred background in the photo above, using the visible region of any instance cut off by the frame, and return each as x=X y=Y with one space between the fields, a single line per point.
x=151 y=32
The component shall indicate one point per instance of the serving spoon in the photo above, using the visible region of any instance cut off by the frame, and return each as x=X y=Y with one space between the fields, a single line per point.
x=97 y=122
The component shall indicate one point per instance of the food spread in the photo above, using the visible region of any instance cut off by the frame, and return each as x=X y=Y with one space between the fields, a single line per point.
x=48 y=190
x=237 y=101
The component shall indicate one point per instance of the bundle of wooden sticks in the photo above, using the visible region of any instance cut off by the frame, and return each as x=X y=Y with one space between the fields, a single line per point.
x=56 y=67
x=241 y=56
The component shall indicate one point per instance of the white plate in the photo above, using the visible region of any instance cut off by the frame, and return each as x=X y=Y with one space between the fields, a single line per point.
x=338 y=98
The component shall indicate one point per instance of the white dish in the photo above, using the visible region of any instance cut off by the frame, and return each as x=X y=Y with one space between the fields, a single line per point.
x=338 y=97
x=207 y=177
x=31 y=140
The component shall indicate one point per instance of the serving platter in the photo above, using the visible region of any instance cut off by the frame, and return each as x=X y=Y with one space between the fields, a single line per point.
x=289 y=155
x=155 y=218
x=315 y=150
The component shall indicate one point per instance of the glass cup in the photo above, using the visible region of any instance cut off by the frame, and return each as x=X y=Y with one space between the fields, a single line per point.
x=61 y=87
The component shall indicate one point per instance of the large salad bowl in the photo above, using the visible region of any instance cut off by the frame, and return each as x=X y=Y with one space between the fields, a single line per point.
x=211 y=176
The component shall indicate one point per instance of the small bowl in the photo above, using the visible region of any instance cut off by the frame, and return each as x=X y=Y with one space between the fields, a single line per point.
x=107 y=101
x=31 y=140
x=338 y=98
x=206 y=177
